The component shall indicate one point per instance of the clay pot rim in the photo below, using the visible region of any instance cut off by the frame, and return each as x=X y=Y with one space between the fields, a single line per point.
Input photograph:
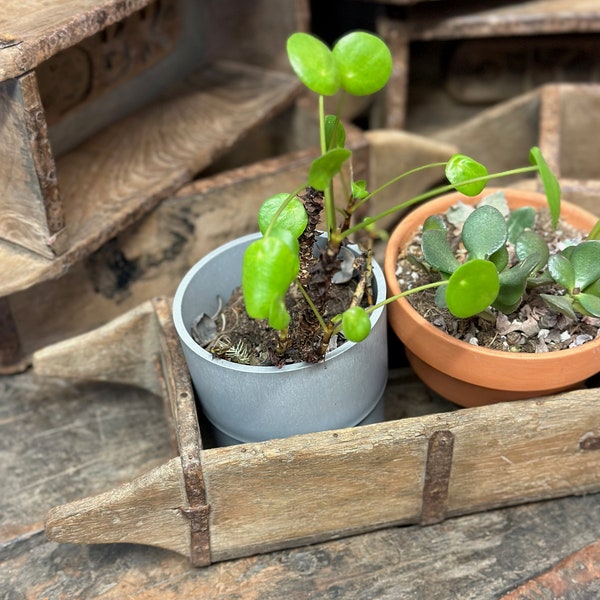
x=509 y=364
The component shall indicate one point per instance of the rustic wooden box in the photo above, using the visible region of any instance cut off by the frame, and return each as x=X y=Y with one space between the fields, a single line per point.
x=214 y=504
x=455 y=58
x=107 y=108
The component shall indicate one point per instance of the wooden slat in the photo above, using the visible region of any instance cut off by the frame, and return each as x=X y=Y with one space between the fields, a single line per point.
x=283 y=493
x=39 y=29
x=320 y=486
x=26 y=172
x=146 y=510
x=177 y=388
x=446 y=21
x=121 y=351
x=124 y=171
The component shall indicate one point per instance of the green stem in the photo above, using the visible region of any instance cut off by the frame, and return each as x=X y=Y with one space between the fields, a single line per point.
x=431 y=194
x=328 y=194
x=398 y=178
x=370 y=309
x=313 y=308
x=420 y=288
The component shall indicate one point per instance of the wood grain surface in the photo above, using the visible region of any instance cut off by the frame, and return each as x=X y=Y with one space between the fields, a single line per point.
x=120 y=174
x=61 y=440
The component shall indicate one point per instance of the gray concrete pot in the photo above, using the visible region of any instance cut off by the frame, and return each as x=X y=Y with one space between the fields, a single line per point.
x=252 y=404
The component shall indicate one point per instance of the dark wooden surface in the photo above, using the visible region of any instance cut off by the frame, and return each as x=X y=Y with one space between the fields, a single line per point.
x=61 y=440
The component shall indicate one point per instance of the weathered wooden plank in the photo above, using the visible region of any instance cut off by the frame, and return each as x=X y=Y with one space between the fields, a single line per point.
x=326 y=485
x=129 y=167
x=514 y=126
x=122 y=351
x=39 y=29
x=108 y=59
x=178 y=392
x=515 y=18
x=146 y=510
x=473 y=558
x=26 y=171
x=61 y=441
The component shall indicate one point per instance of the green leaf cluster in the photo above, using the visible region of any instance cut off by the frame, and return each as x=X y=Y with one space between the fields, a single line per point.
x=360 y=63
x=484 y=278
x=577 y=270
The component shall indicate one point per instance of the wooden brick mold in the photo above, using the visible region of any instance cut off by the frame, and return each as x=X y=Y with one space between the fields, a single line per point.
x=214 y=504
x=108 y=107
x=487 y=52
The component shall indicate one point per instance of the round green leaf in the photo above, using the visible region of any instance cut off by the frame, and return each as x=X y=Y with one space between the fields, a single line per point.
x=269 y=267
x=364 y=62
x=530 y=243
x=484 y=232
x=500 y=258
x=460 y=169
x=437 y=252
x=519 y=220
x=434 y=222
x=562 y=271
x=314 y=63
x=325 y=168
x=590 y=303
x=472 y=288
x=293 y=217
x=356 y=324
x=561 y=304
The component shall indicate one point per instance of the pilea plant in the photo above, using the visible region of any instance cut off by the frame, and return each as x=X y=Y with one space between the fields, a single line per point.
x=486 y=279
x=360 y=64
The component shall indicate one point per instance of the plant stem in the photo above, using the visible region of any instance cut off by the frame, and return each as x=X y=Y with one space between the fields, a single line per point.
x=431 y=194
x=420 y=288
x=317 y=314
x=398 y=178
x=328 y=193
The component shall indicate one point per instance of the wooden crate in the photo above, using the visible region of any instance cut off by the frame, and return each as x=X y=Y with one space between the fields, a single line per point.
x=454 y=58
x=107 y=108
x=214 y=504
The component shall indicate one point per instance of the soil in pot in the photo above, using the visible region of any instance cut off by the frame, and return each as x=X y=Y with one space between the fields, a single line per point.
x=533 y=328
x=331 y=282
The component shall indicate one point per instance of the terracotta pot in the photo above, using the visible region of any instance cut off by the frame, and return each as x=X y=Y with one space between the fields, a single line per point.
x=471 y=375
